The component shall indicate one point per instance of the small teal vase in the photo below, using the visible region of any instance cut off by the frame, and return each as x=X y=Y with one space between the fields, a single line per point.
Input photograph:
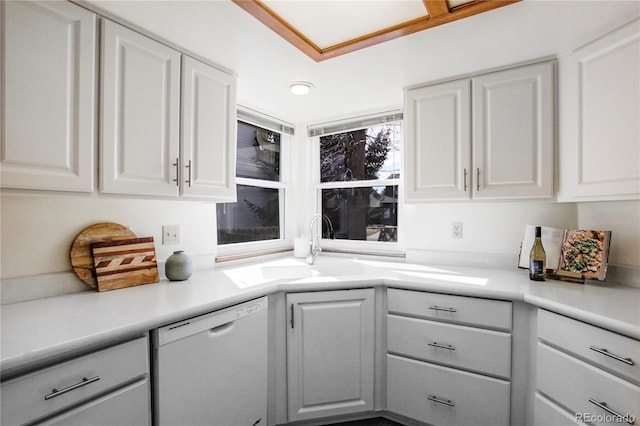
x=178 y=266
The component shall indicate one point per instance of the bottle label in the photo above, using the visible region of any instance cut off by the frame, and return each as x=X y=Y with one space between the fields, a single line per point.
x=535 y=267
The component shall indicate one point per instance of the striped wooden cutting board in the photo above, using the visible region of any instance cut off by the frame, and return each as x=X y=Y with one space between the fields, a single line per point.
x=125 y=263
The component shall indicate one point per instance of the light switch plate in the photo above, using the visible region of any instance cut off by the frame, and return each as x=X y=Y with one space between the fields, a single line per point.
x=170 y=234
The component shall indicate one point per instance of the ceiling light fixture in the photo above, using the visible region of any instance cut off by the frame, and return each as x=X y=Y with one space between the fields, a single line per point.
x=300 y=87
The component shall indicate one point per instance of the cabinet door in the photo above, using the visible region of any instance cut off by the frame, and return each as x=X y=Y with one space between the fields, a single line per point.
x=208 y=131
x=513 y=133
x=330 y=345
x=48 y=96
x=438 y=143
x=599 y=127
x=140 y=114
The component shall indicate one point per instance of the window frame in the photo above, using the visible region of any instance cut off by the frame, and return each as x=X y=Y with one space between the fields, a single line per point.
x=386 y=248
x=251 y=248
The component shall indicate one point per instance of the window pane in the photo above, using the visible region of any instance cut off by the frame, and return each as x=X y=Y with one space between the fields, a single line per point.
x=369 y=214
x=365 y=154
x=258 y=155
x=254 y=217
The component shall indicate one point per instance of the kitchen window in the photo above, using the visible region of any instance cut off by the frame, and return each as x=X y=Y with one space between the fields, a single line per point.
x=256 y=220
x=358 y=182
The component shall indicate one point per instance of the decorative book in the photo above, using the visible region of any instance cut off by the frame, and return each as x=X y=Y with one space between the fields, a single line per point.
x=572 y=255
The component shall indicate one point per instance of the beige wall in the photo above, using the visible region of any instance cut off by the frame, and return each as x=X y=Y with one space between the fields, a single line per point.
x=623 y=219
x=37 y=229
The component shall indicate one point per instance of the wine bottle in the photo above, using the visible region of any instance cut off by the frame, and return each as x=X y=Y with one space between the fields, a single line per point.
x=537 y=258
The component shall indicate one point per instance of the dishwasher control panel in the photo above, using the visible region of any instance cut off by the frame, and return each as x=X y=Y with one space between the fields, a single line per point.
x=179 y=330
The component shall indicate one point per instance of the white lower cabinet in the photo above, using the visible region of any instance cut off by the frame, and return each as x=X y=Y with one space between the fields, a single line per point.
x=599 y=381
x=442 y=372
x=330 y=353
x=125 y=406
x=440 y=395
x=485 y=351
x=108 y=387
x=548 y=413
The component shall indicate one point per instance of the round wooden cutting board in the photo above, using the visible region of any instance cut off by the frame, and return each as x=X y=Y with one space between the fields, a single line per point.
x=80 y=255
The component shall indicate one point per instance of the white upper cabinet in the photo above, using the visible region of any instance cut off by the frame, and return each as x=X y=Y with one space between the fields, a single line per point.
x=486 y=137
x=438 y=148
x=208 y=131
x=48 y=96
x=600 y=119
x=169 y=122
x=140 y=114
x=513 y=133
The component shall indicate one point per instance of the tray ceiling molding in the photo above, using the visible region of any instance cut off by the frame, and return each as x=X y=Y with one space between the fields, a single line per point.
x=437 y=12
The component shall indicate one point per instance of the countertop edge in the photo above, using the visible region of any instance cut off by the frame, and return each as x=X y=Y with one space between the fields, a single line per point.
x=515 y=290
x=585 y=316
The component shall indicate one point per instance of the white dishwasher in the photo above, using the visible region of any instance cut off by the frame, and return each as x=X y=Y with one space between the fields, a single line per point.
x=212 y=369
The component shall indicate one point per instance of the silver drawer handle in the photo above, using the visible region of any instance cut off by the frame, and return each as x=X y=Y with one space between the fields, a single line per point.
x=441 y=401
x=604 y=351
x=57 y=392
x=440 y=308
x=440 y=345
x=603 y=406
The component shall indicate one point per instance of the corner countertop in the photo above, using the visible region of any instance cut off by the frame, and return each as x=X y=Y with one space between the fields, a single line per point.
x=38 y=332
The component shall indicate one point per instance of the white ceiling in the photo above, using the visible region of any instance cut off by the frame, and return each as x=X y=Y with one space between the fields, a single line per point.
x=329 y=22
x=371 y=79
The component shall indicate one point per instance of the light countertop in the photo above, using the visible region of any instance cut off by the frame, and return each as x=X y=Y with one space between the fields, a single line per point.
x=44 y=330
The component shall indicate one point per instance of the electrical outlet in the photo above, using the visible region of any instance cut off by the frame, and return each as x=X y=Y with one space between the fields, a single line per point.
x=456 y=230
x=170 y=234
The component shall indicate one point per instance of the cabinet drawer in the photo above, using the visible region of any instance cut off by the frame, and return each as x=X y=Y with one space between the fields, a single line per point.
x=34 y=395
x=611 y=351
x=581 y=387
x=547 y=413
x=443 y=396
x=474 y=349
x=130 y=405
x=457 y=309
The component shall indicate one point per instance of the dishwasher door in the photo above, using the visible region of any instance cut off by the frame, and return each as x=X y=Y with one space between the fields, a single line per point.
x=212 y=369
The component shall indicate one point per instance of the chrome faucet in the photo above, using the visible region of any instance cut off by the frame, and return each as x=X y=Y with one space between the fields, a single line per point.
x=314 y=239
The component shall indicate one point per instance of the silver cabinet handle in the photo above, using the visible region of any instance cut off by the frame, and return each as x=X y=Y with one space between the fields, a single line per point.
x=604 y=351
x=57 y=392
x=441 y=401
x=177 y=166
x=465 y=179
x=188 y=166
x=478 y=179
x=603 y=406
x=440 y=345
x=440 y=308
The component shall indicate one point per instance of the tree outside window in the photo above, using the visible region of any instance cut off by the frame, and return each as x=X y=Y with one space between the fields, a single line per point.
x=368 y=158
